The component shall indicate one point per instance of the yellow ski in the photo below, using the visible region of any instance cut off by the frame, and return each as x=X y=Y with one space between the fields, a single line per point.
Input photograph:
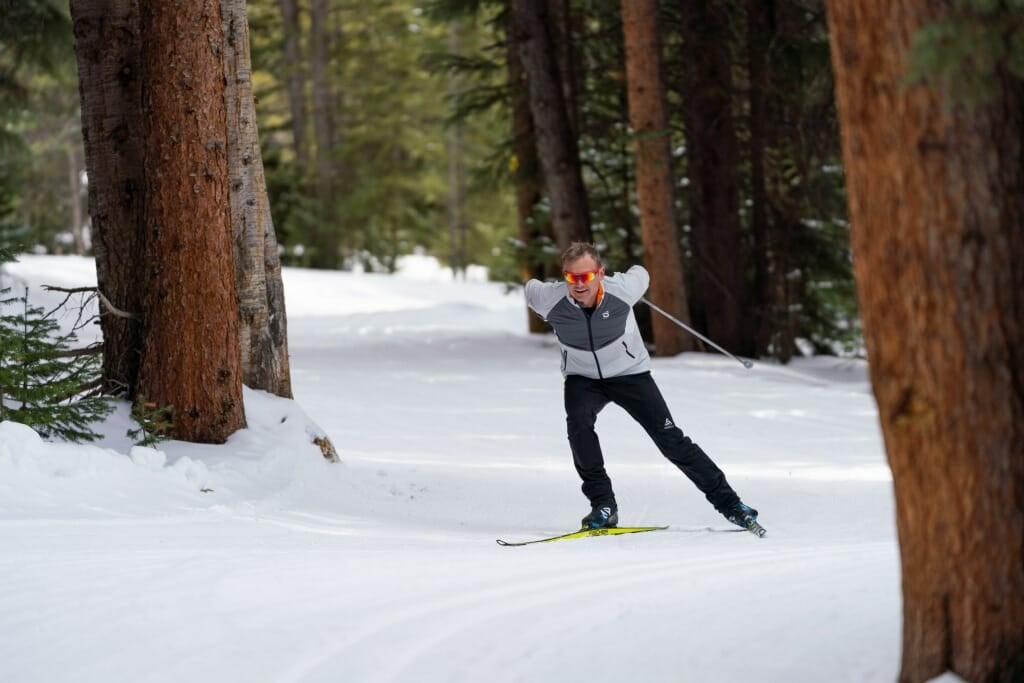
x=583 y=533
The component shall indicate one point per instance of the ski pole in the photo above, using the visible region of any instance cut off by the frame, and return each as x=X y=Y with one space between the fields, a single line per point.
x=745 y=363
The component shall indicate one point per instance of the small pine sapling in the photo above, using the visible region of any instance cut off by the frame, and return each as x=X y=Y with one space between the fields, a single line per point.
x=45 y=381
x=154 y=422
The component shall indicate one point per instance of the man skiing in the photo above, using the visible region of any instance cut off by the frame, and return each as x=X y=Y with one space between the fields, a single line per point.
x=604 y=360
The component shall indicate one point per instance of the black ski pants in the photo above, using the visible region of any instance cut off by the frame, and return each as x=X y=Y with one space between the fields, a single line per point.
x=639 y=396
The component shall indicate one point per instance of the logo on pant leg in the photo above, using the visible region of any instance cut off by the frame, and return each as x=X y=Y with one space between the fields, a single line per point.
x=668 y=423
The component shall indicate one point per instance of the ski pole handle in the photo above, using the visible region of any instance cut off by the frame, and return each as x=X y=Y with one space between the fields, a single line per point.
x=742 y=361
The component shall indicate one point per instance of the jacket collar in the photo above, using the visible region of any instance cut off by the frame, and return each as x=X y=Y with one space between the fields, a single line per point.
x=597 y=299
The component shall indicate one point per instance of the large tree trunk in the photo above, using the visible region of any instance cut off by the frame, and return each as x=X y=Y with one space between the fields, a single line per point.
x=263 y=322
x=654 y=173
x=935 y=198
x=326 y=239
x=759 y=32
x=713 y=166
x=191 y=358
x=562 y=36
x=108 y=50
x=557 y=146
x=526 y=174
x=294 y=76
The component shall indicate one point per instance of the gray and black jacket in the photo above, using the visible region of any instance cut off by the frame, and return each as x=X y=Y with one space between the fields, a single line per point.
x=606 y=343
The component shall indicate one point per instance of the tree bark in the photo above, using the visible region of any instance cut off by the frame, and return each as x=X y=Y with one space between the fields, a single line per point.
x=557 y=147
x=714 y=170
x=456 y=176
x=789 y=158
x=263 y=327
x=108 y=51
x=562 y=36
x=295 y=80
x=934 y=192
x=325 y=240
x=191 y=359
x=526 y=175
x=759 y=32
x=654 y=186
x=75 y=198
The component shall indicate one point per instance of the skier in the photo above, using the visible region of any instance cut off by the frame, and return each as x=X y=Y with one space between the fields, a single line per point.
x=604 y=360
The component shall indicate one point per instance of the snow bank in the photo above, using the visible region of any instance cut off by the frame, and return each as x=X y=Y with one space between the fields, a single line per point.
x=274 y=452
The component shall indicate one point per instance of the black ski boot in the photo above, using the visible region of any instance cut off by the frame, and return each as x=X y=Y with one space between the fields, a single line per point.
x=603 y=516
x=744 y=516
x=741 y=514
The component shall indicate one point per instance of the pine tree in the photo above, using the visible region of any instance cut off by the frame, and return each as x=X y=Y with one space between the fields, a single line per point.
x=43 y=376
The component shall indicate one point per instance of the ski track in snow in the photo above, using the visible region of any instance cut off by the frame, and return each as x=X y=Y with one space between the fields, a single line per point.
x=510 y=614
x=442 y=630
x=384 y=569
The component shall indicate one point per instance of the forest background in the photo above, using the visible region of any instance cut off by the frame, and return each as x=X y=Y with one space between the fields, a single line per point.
x=399 y=126
x=700 y=138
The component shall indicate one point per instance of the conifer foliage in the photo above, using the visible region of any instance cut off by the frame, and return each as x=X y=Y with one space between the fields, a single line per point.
x=45 y=378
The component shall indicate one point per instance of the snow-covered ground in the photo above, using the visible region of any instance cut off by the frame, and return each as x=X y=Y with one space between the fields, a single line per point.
x=257 y=561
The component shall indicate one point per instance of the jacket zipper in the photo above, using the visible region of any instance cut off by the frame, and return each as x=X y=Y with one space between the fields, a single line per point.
x=590 y=334
x=627 y=351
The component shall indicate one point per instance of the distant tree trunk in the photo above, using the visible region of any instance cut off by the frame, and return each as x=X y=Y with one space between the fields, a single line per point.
x=325 y=236
x=456 y=182
x=783 y=290
x=759 y=31
x=934 y=192
x=75 y=198
x=562 y=37
x=191 y=359
x=526 y=174
x=108 y=51
x=654 y=173
x=775 y=151
x=263 y=322
x=295 y=79
x=785 y=139
x=714 y=169
x=557 y=147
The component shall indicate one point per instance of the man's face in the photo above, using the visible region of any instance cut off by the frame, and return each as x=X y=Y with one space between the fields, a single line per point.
x=577 y=276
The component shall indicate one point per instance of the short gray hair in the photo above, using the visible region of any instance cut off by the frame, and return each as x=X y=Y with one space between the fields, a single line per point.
x=578 y=250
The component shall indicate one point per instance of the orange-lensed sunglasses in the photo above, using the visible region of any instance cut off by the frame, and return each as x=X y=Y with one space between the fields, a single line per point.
x=585 y=278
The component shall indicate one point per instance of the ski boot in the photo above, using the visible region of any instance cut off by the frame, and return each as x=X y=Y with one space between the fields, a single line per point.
x=742 y=515
x=602 y=517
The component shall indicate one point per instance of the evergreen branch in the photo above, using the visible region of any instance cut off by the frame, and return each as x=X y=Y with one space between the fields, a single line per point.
x=91 y=350
x=81 y=389
x=437 y=62
x=480 y=98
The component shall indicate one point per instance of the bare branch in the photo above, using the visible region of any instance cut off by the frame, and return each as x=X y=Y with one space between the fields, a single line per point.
x=93 y=290
x=114 y=309
x=72 y=290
